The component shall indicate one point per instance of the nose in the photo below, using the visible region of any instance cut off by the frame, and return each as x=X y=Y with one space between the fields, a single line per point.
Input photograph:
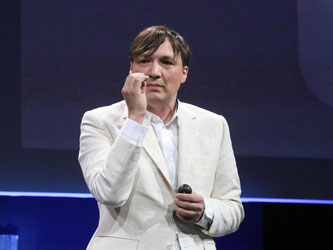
x=154 y=70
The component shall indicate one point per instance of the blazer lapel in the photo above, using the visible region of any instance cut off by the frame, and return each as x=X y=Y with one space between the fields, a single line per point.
x=187 y=134
x=151 y=146
x=153 y=149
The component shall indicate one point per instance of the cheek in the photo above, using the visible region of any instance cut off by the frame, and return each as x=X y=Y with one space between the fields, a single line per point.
x=175 y=76
x=138 y=69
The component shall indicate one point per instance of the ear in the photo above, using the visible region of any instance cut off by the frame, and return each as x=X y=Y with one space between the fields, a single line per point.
x=185 y=72
x=131 y=67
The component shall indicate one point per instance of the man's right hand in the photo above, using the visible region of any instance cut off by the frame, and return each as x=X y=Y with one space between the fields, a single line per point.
x=134 y=93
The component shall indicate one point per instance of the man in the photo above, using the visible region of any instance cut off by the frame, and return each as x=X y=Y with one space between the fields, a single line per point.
x=134 y=154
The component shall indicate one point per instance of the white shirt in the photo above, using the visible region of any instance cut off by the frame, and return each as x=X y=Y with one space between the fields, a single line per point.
x=167 y=136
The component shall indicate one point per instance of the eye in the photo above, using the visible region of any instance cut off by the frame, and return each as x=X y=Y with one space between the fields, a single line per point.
x=143 y=61
x=167 y=62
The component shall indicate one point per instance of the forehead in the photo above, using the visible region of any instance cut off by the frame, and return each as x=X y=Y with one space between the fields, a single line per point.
x=164 y=50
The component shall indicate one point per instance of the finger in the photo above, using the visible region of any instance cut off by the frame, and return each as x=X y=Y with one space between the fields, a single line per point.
x=189 y=205
x=134 y=82
x=143 y=87
x=138 y=80
x=184 y=212
x=186 y=219
x=131 y=77
x=187 y=215
x=189 y=197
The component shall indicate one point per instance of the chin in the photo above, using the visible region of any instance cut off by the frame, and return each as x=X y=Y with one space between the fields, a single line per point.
x=154 y=99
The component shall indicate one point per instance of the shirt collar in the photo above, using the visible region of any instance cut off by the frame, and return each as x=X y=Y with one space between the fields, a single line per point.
x=156 y=119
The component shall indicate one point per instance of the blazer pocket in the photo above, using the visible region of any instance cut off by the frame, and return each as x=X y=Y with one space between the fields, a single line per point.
x=113 y=243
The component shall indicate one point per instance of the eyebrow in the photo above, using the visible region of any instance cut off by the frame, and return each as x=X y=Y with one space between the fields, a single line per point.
x=173 y=58
x=168 y=58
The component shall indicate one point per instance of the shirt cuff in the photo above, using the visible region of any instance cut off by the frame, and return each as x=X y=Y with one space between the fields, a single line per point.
x=134 y=132
x=208 y=216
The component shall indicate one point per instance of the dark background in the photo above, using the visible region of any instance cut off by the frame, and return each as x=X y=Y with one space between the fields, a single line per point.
x=264 y=65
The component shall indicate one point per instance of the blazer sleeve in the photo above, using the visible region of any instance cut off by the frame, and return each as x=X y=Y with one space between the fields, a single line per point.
x=107 y=160
x=225 y=197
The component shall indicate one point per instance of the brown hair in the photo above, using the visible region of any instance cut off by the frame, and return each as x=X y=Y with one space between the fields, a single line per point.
x=150 y=39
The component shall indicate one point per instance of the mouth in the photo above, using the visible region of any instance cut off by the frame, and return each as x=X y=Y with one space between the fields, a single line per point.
x=153 y=85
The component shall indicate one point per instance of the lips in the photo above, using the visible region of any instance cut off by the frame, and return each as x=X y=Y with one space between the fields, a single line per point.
x=152 y=84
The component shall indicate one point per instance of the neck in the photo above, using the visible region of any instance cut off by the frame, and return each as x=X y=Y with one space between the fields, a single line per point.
x=165 y=112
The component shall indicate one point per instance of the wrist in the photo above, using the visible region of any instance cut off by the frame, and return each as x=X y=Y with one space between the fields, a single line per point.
x=137 y=117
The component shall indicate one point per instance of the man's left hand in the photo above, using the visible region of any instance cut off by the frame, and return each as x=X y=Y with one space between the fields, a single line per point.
x=189 y=207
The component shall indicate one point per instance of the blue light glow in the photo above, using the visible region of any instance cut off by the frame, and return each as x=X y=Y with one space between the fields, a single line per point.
x=284 y=200
x=45 y=194
x=87 y=195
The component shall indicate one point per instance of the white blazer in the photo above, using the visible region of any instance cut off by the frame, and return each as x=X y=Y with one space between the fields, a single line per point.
x=132 y=186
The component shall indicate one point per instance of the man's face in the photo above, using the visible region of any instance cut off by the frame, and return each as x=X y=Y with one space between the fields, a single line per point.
x=166 y=74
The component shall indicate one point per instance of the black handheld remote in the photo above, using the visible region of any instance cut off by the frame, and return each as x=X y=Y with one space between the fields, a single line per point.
x=185 y=189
